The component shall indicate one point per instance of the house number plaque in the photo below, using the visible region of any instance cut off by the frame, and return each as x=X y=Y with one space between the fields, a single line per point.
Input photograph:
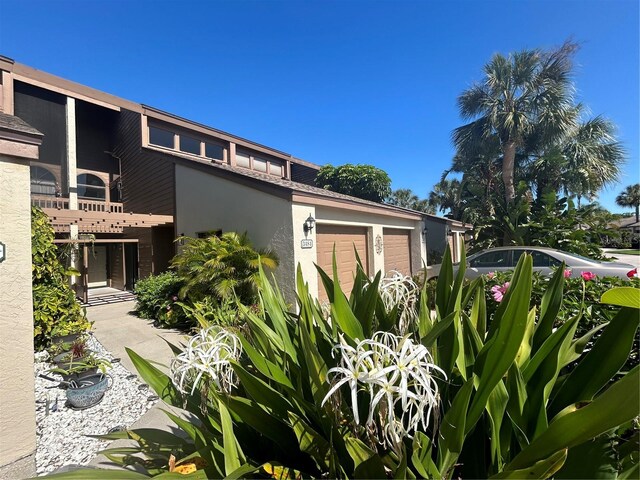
x=306 y=243
x=3 y=252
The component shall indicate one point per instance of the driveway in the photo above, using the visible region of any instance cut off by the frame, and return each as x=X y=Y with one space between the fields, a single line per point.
x=631 y=259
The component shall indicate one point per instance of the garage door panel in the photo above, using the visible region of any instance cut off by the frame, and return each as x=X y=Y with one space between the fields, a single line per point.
x=397 y=250
x=344 y=239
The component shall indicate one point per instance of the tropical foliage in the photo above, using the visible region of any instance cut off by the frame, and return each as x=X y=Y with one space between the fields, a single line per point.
x=404 y=197
x=630 y=197
x=206 y=275
x=449 y=395
x=362 y=181
x=55 y=309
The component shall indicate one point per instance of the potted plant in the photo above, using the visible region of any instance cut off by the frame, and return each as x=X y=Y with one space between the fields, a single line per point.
x=88 y=391
x=79 y=370
x=76 y=353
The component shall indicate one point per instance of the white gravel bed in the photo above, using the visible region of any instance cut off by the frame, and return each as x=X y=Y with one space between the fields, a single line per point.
x=61 y=433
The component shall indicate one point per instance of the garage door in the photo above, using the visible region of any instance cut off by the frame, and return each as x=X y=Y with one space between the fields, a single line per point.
x=344 y=239
x=397 y=250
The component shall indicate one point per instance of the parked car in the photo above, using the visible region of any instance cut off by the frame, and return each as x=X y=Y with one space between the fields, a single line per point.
x=545 y=260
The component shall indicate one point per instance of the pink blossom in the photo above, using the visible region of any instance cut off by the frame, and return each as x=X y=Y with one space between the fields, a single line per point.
x=588 y=276
x=174 y=298
x=168 y=308
x=567 y=273
x=490 y=275
x=498 y=291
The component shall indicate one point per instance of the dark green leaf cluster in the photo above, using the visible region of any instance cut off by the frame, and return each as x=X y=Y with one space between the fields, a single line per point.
x=55 y=308
x=362 y=181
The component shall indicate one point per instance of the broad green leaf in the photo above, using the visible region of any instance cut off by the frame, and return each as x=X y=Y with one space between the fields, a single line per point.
x=542 y=469
x=190 y=428
x=262 y=393
x=341 y=310
x=97 y=474
x=264 y=365
x=550 y=305
x=424 y=314
x=593 y=459
x=367 y=299
x=233 y=456
x=575 y=350
x=368 y=463
x=623 y=297
x=310 y=441
x=155 y=378
x=316 y=366
x=445 y=281
x=198 y=474
x=525 y=346
x=607 y=356
x=478 y=314
x=502 y=347
x=437 y=330
x=452 y=429
x=615 y=406
x=421 y=457
x=496 y=406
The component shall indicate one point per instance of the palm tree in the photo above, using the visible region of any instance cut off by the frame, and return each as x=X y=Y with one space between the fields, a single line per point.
x=528 y=93
x=404 y=197
x=630 y=197
x=446 y=196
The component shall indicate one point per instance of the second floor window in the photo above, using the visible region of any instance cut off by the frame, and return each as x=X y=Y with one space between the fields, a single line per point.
x=91 y=187
x=43 y=182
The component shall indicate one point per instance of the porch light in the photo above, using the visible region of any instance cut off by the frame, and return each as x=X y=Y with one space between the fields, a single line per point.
x=309 y=223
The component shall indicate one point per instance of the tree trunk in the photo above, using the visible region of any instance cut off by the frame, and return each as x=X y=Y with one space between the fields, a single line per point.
x=637 y=213
x=508 y=167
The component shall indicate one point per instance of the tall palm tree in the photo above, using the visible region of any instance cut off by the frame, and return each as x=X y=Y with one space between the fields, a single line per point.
x=446 y=196
x=527 y=93
x=404 y=197
x=630 y=197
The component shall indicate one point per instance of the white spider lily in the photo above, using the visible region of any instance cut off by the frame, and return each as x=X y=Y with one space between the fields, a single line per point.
x=206 y=357
x=397 y=289
x=397 y=373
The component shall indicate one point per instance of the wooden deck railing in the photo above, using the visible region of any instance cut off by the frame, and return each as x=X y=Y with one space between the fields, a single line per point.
x=61 y=203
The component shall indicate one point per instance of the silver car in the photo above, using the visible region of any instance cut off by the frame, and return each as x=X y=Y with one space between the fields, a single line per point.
x=545 y=261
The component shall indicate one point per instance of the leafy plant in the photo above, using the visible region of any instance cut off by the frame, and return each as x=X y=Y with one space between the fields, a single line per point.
x=222 y=267
x=362 y=181
x=156 y=298
x=350 y=397
x=55 y=309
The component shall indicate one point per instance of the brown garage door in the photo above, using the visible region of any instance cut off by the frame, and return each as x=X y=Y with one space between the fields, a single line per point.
x=344 y=239
x=397 y=250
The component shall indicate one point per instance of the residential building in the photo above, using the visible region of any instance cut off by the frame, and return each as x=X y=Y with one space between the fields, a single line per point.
x=121 y=181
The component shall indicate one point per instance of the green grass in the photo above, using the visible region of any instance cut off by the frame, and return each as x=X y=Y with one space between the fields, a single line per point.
x=623 y=252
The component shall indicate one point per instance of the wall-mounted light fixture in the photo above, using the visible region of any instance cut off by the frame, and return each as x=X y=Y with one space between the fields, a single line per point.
x=309 y=223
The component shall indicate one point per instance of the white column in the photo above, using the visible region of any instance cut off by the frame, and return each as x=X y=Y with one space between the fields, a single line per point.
x=72 y=173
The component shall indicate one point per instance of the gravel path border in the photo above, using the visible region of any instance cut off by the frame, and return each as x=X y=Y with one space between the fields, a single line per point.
x=62 y=432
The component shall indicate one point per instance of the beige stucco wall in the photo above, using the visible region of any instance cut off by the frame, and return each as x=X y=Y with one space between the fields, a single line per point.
x=374 y=224
x=206 y=202
x=17 y=402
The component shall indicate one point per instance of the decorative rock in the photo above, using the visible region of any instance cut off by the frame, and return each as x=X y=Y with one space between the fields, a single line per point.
x=62 y=432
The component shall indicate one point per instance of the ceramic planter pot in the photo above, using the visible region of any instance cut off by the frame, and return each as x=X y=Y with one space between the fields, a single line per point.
x=72 y=337
x=77 y=376
x=62 y=360
x=88 y=391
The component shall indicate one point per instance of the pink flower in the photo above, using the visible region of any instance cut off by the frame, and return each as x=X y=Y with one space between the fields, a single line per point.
x=588 y=276
x=490 y=275
x=168 y=308
x=174 y=298
x=498 y=291
x=567 y=273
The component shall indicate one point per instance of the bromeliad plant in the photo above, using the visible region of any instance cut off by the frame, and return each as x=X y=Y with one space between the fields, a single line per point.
x=451 y=396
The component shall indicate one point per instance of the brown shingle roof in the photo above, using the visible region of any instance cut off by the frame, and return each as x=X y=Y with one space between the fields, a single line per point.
x=16 y=124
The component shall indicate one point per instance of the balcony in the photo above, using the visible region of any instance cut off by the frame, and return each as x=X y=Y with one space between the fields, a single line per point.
x=61 y=203
x=94 y=216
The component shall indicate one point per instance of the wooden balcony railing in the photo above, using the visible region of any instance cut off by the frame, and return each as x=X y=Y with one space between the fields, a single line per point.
x=61 y=203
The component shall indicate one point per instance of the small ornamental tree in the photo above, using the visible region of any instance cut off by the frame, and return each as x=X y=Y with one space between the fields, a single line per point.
x=362 y=181
x=55 y=309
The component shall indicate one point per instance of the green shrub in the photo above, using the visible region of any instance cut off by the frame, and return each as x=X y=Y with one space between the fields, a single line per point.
x=156 y=299
x=55 y=308
x=359 y=396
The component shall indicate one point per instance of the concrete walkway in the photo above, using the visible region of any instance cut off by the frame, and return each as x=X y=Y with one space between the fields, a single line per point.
x=116 y=327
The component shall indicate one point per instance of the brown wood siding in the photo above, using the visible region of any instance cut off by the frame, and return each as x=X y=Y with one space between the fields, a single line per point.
x=344 y=238
x=145 y=251
x=116 y=267
x=163 y=248
x=397 y=250
x=303 y=174
x=148 y=178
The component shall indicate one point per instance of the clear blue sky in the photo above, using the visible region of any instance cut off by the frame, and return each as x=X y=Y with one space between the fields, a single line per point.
x=330 y=82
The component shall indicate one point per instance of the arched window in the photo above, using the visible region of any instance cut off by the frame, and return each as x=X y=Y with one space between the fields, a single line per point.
x=91 y=187
x=43 y=182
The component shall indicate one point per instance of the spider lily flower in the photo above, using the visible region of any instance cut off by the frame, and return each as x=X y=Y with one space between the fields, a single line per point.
x=207 y=357
x=399 y=376
x=397 y=289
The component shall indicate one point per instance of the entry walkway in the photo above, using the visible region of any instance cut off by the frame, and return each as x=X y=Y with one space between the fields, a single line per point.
x=116 y=327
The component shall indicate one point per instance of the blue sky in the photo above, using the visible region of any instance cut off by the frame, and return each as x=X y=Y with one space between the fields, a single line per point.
x=330 y=82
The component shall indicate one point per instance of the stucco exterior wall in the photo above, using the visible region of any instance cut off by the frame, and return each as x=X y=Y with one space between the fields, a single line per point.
x=374 y=224
x=17 y=402
x=207 y=202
